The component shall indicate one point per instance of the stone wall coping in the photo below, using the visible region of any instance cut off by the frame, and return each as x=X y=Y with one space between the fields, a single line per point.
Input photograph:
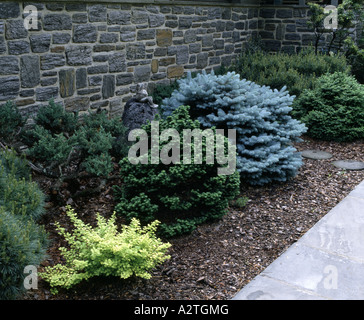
x=243 y=3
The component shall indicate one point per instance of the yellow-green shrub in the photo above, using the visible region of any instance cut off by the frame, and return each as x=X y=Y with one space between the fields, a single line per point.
x=105 y=251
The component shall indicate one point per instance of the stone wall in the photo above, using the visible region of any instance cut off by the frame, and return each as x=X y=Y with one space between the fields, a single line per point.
x=92 y=55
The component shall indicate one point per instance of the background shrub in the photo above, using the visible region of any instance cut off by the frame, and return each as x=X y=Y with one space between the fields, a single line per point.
x=18 y=194
x=181 y=196
x=296 y=71
x=103 y=250
x=10 y=121
x=59 y=137
x=334 y=109
x=261 y=117
x=22 y=243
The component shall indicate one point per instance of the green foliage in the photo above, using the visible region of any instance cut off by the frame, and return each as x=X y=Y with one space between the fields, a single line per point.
x=22 y=243
x=103 y=250
x=295 y=71
x=334 y=109
x=59 y=137
x=355 y=57
x=54 y=119
x=18 y=194
x=14 y=165
x=10 y=121
x=162 y=91
x=261 y=117
x=181 y=195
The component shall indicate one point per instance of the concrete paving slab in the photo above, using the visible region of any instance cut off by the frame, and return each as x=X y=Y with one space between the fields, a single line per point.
x=265 y=288
x=326 y=263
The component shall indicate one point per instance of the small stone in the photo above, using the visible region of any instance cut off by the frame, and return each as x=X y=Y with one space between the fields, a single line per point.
x=349 y=164
x=175 y=71
x=316 y=154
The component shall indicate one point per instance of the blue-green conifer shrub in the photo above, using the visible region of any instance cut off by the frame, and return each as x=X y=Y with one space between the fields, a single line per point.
x=261 y=117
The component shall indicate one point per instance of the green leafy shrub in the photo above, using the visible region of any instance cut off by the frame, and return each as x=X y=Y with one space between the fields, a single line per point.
x=105 y=251
x=182 y=195
x=60 y=137
x=334 y=109
x=10 y=121
x=260 y=116
x=295 y=71
x=18 y=194
x=162 y=91
x=22 y=243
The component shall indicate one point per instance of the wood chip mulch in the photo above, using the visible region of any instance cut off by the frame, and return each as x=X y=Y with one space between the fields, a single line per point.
x=218 y=259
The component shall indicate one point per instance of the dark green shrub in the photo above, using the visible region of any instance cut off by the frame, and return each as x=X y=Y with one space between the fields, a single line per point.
x=54 y=119
x=10 y=121
x=60 y=137
x=22 y=243
x=18 y=194
x=180 y=195
x=334 y=109
x=162 y=91
x=295 y=71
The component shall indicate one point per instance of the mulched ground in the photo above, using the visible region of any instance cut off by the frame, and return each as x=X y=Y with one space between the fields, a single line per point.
x=217 y=260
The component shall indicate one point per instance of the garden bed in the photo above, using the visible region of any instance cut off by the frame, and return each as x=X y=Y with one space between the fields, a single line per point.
x=218 y=259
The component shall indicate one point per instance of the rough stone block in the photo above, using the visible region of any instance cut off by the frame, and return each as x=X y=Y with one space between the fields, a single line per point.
x=16 y=47
x=52 y=60
x=119 y=17
x=81 y=78
x=9 y=87
x=84 y=33
x=164 y=37
x=142 y=73
x=29 y=71
x=40 y=43
x=97 y=13
x=117 y=62
x=79 y=55
x=108 y=86
x=9 y=10
x=9 y=65
x=45 y=94
x=175 y=72
x=66 y=82
x=57 y=21
x=14 y=29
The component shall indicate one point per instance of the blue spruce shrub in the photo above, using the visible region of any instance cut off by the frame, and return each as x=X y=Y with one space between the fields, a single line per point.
x=261 y=116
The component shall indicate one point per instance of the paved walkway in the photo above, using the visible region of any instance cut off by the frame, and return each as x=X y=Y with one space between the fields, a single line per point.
x=326 y=263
